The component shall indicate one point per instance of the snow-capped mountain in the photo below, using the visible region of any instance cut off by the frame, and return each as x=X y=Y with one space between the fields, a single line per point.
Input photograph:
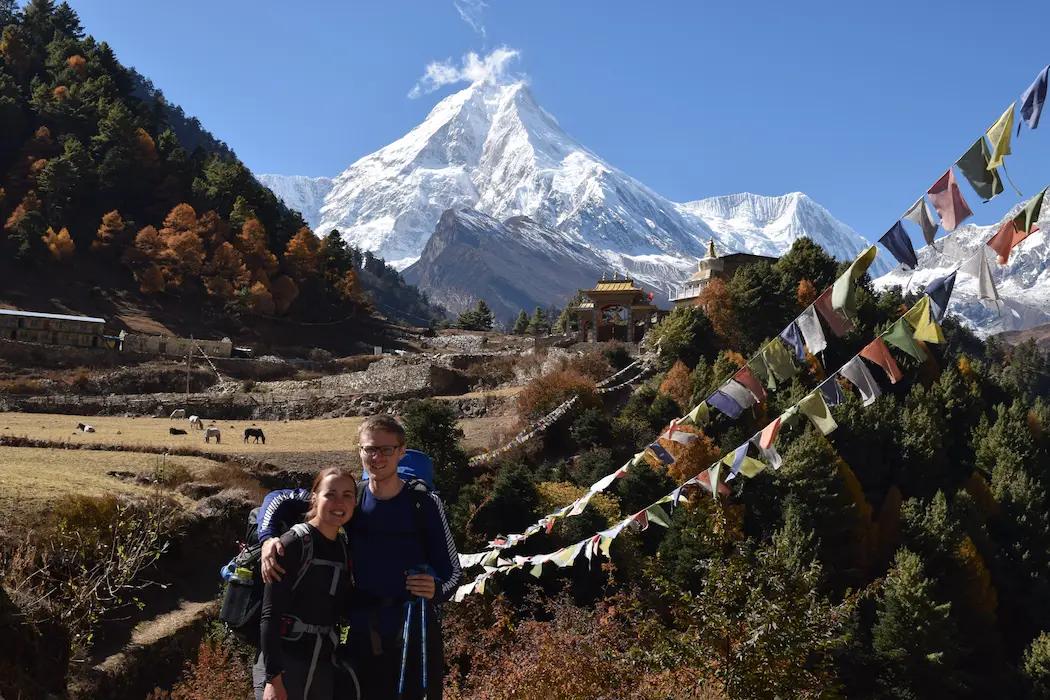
x=304 y=194
x=1023 y=283
x=493 y=149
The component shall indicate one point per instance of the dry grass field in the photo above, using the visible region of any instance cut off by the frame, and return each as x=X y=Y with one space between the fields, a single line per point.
x=33 y=479
x=318 y=435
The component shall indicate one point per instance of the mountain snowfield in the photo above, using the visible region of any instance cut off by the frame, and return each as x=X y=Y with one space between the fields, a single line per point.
x=1023 y=283
x=304 y=194
x=493 y=149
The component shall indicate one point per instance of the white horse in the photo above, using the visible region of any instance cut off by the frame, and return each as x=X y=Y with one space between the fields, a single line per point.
x=196 y=422
x=178 y=413
x=212 y=432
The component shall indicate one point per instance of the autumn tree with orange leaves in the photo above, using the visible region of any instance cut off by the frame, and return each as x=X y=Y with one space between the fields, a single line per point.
x=225 y=273
x=111 y=233
x=302 y=257
x=251 y=242
x=284 y=292
x=718 y=306
x=60 y=245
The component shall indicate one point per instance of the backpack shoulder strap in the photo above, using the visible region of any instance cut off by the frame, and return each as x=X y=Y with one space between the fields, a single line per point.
x=302 y=531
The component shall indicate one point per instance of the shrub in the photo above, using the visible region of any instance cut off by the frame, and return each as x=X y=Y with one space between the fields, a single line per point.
x=545 y=393
x=169 y=474
x=219 y=672
x=91 y=562
x=492 y=373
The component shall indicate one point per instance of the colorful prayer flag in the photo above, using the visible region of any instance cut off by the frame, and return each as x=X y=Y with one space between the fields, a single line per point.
x=699 y=416
x=838 y=323
x=974 y=166
x=860 y=377
x=897 y=241
x=978 y=267
x=877 y=352
x=1033 y=98
x=921 y=215
x=812 y=333
x=844 y=291
x=901 y=335
x=940 y=293
x=778 y=360
x=793 y=338
x=661 y=454
x=920 y=317
x=999 y=137
x=832 y=392
x=747 y=378
x=739 y=393
x=725 y=403
x=814 y=408
x=769 y=434
x=1017 y=229
x=949 y=202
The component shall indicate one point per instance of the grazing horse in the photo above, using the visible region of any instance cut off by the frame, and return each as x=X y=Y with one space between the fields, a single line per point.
x=212 y=433
x=178 y=413
x=196 y=422
x=256 y=433
x=176 y=431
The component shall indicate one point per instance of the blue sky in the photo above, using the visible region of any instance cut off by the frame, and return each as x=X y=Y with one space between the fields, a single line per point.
x=860 y=105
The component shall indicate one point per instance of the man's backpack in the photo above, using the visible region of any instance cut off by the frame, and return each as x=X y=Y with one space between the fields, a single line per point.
x=242 y=599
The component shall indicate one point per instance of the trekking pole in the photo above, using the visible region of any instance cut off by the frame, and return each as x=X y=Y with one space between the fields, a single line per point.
x=405 y=635
x=423 y=643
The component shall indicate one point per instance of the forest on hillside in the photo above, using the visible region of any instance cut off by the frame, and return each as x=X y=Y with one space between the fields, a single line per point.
x=99 y=172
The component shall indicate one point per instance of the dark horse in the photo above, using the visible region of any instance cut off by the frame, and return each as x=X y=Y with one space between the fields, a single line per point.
x=256 y=433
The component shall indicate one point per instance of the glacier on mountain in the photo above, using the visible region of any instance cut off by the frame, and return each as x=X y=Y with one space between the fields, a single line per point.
x=493 y=149
x=299 y=192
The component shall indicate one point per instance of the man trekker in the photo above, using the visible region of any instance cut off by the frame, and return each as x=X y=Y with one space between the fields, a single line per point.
x=404 y=565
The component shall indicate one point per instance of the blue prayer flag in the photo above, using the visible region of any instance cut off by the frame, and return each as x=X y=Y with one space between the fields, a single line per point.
x=661 y=454
x=725 y=403
x=899 y=244
x=793 y=337
x=832 y=392
x=940 y=291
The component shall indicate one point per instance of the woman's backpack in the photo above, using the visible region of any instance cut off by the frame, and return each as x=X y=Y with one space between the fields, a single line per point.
x=242 y=598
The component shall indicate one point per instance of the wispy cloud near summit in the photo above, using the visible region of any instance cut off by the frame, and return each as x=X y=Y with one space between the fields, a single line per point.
x=472 y=69
x=470 y=11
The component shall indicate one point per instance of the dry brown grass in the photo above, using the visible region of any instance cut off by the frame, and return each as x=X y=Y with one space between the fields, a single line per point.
x=321 y=434
x=33 y=480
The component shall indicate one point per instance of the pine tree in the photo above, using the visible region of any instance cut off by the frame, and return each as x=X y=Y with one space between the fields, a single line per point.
x=521 y=324
x=8 y=12
x=914 y=637
x=538 y=324
x=1037 y=667
x=432 y=428
x=477 y=319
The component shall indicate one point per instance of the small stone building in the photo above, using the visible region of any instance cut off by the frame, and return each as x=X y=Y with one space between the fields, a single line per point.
x=173 y=346
x=615 y=309
x=712 y=266
x=52 y=329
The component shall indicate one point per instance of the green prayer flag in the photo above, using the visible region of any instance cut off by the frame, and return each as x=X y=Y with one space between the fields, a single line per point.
x=999 y=136
x=900 y=336
x=657 y=515
x=844 y=291
x=1027 y=217
x=699 y=416
x=816 y=409
x=974 y=166
x=779 y=361
x=751 y=467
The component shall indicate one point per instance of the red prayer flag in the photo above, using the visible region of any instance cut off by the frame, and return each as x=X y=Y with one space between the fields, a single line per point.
x=769 y=434
x=877 y=352
x=746 y=377
x=837 y=322
x=947 y=199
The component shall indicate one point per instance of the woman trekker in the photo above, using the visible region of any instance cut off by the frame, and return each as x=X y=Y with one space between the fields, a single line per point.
x=299 y=612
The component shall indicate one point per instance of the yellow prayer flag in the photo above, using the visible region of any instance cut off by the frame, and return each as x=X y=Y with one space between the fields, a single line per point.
x=999 y=136
x=751 y=467
x=917 y=312
x=927 y=328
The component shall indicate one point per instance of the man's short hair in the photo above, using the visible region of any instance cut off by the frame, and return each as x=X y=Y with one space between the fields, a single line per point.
x=383 y=423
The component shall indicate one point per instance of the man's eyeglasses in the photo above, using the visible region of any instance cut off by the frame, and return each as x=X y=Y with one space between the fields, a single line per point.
x=385 y=450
